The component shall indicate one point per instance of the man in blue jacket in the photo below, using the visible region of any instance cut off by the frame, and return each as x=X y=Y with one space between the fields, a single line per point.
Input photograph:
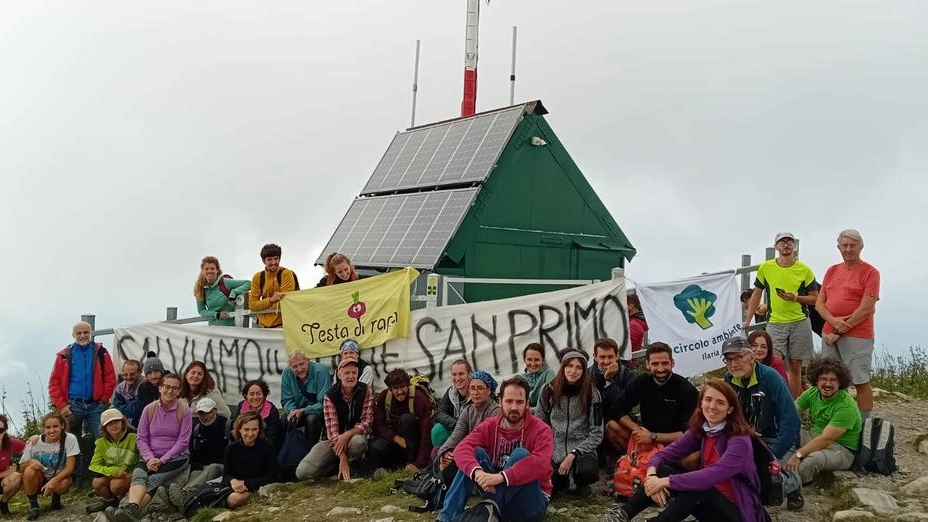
x=302 y=390
x=768 y=406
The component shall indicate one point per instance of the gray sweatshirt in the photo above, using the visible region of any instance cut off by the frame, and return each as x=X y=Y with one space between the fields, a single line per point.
x=573 y=429
x=470 y=417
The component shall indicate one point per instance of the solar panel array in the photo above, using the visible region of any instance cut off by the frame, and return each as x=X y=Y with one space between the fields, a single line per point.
x=402 y=230
x=459 y=151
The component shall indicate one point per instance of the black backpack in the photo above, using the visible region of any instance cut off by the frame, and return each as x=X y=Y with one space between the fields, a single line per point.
x=875 y=451
x=296 y=282
x=210 y=495
x=768 y=472
x=483 y=511
x=428 y=485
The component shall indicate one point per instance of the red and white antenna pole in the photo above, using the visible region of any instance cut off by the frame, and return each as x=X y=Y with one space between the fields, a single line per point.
x=469 y=104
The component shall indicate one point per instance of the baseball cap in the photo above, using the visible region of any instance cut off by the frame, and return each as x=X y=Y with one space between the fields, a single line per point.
x=735 y=345
x=345 y=362
x=206 y=405
x=784 y=235
x=110 y=415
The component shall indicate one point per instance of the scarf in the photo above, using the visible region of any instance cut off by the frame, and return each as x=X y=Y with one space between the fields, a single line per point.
x=713 y=431
x=265 y=410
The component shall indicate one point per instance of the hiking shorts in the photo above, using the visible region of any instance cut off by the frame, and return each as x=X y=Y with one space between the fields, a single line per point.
x=793 y=341
x=167 y=473
x=856 y=353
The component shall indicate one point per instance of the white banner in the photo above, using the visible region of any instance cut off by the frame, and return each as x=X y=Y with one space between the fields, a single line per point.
x=490 y=334
x=694 y=316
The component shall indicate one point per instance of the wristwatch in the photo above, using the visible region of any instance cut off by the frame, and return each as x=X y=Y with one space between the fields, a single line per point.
x=653 y=436
x=799 y=455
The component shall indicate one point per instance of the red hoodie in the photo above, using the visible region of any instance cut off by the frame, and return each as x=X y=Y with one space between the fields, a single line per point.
x=535 y=436
x=104 y=379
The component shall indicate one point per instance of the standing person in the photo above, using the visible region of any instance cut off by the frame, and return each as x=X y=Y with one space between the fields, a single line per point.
x=338 y=269
x=536 y=373
x=402 y=425
x=255 y=393
x=269 y=286
x=791 y=288
x=449 y=406
x=611 y=378
x=762 y=346
x=82 y=381
x=250 y=460
x=509 y=457
x=47 y=465
x=572 y=406
x=10 y=479
x=725 y=488
x=198 y=384
x=352 y=350
x=760 y=315
x=164 y=441
x=349 y=414
x=847 y=302
x=303 y=385
x=125 y=398
x=115 y=455
x=215 y=292
x=480 y=406
x=637 y=325
x=836 y=424
x=149 y=390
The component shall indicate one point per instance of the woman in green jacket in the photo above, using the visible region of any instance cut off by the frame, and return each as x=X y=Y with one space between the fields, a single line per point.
x=536 y=372
x=216 y=292
x=114 y=456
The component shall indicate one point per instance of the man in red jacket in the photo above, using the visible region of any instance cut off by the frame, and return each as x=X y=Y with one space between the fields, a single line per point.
x=509 y=457
x=82 y=381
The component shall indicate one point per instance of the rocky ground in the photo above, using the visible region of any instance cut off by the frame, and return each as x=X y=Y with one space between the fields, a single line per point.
x=842 y=496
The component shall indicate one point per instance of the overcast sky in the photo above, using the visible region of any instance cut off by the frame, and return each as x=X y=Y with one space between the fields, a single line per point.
x=137 y=137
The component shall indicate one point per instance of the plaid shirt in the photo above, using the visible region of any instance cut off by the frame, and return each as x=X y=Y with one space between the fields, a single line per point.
x=330 y=414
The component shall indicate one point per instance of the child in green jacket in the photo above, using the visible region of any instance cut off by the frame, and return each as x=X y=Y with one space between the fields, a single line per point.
x=114 y=456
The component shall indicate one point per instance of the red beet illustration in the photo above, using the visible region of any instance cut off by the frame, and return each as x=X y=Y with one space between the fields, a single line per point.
x=357 y=308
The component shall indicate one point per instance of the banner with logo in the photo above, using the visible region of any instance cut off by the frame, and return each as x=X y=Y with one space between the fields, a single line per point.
x=694 y=316
x=489 y=334
x=371 y=311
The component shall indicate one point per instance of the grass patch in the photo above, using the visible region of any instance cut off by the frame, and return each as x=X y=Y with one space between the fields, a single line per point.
x=902 y=373
x=205 y=515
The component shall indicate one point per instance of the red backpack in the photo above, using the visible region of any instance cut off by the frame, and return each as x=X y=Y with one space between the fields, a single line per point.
x=631 y=469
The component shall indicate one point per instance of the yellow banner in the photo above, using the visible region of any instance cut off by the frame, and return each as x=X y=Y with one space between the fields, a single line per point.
x=371 y=311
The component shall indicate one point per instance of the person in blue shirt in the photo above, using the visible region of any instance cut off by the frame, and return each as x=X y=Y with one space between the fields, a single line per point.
x=302 y=390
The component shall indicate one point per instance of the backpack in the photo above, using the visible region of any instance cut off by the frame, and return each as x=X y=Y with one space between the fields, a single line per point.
x=484 y=511
x=632 y=468
x=768 y=473
x=292 y=450
x=222 y=285
x=428 y=485
x=875 y=451
x=296 y=282
x=416 y=381
x=210 y=495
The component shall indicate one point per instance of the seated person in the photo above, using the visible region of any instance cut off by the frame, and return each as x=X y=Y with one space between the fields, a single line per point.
x=351 y=349
x=125 y=398
x=762 y=346
x=611 y=378
x=349 y=414
x=164 y=442
x=571 y=405
x=481 y=405
x=149 y=390
x=449 y=406
x=836 y=421
x=115 y=455
x=10 y=479
x=198 y=384
x=724 y=488
x=208 y=441
x=303 y=384
x=255 y=393
x=509 y=457
x=48 y=464
x=536 y=373
x=250 y=460
x=402 y=425
x=666 y=399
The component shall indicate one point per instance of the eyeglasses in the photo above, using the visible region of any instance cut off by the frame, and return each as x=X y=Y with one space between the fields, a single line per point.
x=478 y=388
x=787 y=241
x=734 y=359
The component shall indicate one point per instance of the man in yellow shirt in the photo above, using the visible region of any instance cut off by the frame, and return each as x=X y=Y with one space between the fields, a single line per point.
x=269 y=286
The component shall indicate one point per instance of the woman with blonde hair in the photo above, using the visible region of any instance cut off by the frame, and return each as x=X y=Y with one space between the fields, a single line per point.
x=215 y=292
x=338 y=269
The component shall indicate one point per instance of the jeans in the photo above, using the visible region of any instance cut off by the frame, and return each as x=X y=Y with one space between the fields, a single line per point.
x=706 y=505
x=516 y=503
x=85 y=412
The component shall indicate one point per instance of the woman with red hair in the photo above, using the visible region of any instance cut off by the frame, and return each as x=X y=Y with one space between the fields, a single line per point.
x=215 y=292
x=338 y=269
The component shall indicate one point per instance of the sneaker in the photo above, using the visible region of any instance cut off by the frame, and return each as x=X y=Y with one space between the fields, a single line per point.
x=794 y=501
x=33 y=514
x=110 y=514
x=56 y=501
x=102 y=504
x=615 y=514
x=128 y=513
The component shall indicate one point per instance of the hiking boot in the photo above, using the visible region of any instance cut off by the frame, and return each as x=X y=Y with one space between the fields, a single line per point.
x=162 y=495
x=794 y=501
x=33 y=514
x=56 y=501
x=176 y=496
x=110 y=513
x=616 y=514
x=102 y=504
x=4 y=508
x=128 y=513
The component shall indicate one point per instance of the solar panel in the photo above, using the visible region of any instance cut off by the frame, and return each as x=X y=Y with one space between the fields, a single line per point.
x=400 y=230
x=458 y=151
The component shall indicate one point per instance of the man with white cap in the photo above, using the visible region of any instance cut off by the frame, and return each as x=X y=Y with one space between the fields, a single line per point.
x=208 y=440
x=791 y=289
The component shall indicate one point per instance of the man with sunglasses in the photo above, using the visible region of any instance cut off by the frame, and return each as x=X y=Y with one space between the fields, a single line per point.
x=791 y=289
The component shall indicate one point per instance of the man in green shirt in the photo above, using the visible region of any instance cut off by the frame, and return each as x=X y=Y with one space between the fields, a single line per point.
x=835 y=434
x=791 y=289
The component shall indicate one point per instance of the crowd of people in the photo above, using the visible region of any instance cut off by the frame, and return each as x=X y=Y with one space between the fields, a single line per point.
x=546 y=432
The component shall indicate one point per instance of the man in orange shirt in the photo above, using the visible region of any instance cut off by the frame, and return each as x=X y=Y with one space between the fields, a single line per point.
x=847 y=302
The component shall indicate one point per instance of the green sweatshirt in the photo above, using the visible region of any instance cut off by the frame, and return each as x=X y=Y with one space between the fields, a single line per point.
x=110 y=458
x=216 y=301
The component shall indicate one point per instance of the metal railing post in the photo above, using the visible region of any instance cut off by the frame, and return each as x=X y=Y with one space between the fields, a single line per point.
x=90 y=319
x=770 y=253
x=745 y=277
x=171 y=313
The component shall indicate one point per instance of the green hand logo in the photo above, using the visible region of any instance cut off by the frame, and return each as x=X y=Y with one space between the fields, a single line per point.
x=697 y=305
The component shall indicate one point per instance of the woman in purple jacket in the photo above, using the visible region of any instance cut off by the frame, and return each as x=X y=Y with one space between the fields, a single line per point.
x=725 y=486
